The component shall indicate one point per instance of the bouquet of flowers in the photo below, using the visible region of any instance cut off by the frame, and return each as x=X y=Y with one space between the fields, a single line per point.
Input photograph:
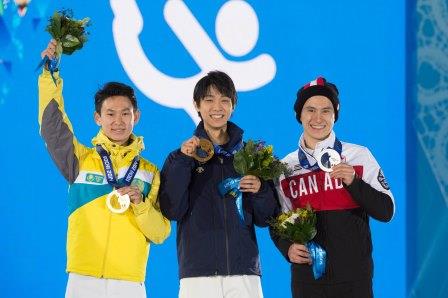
x=299 y=226
x=257 y=159
x=70 y=35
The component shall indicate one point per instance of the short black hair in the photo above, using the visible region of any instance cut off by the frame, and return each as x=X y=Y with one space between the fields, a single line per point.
x=219 y=80
x=114 y=89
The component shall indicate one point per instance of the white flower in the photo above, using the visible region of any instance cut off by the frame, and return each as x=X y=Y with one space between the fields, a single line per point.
x=291 y=219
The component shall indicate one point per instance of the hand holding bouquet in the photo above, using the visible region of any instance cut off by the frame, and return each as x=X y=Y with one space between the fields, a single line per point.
x=70 y=35
x=253 y=159
x=299 y=226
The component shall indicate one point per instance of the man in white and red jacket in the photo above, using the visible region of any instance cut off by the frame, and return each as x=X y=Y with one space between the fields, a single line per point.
x=344 y=200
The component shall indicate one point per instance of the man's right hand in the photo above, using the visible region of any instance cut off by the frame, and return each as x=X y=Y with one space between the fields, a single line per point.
x=189 y=146
x=50 y=50
x=299 y=254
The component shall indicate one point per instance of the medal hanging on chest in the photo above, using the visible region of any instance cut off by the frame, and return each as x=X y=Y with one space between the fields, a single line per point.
x=325 y=160
x=115 y=202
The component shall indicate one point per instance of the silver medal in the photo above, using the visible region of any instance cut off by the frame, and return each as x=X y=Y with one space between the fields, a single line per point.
x=327 y=159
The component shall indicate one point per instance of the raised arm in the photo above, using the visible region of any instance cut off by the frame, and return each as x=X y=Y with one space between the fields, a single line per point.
x=55 y=127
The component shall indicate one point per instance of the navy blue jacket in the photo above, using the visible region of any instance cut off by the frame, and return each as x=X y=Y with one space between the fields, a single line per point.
x=211 y=239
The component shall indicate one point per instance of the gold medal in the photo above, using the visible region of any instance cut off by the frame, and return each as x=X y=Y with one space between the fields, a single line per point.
x=204 y=151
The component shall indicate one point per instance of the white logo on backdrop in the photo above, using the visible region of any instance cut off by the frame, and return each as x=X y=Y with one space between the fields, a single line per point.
x=236 y=30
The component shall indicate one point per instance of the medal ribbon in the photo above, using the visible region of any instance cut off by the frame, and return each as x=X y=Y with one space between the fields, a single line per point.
x=319 y=257
x=52 y=66
x=110 y=175
x=303 y=160
x=230 y=186
x=219 y=150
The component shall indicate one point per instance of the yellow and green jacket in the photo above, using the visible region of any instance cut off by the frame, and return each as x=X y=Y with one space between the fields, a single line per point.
x=100 y=243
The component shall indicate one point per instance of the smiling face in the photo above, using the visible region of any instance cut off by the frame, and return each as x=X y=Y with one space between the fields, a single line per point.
x=317 y=119
x=117 y=118
x=215 y=109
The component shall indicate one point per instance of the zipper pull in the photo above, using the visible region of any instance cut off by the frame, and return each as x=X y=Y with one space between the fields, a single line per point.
x=221 y=160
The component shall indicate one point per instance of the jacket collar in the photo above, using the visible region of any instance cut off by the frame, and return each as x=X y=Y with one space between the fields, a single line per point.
x=328 y=142
x=234 y=131
x=136 y=145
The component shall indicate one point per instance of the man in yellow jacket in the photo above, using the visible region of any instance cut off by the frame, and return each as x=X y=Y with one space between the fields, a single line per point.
x=113 y=208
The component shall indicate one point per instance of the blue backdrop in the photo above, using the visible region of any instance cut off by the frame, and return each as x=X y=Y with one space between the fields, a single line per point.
x=427 y=90
x=270 y=48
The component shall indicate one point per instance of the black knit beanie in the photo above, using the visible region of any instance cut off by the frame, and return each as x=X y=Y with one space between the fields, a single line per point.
x=319 y=86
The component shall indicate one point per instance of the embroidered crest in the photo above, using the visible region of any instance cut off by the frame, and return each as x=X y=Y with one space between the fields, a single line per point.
x=382 y=180
x=200 y=170
x=94 y=178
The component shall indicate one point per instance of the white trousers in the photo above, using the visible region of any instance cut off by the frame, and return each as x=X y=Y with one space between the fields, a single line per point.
x=83 y=286
x=236 y=286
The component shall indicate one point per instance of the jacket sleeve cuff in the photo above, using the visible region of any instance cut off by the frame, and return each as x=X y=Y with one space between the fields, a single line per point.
x=261 y=192
x=141 y=208
x=47 y=75
x=354 y=185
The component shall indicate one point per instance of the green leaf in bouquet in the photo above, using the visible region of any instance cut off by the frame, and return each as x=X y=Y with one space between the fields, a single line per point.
x=249 y=147
x=239 y=163
x=266 y=162
x=55 y=26
x=69 y=33
x=250 y=162
x=84 y=22
x=69 y=51
x=70 y=41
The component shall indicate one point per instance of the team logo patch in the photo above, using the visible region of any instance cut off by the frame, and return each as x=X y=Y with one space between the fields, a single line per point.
x=382 y=180
x=94 y=178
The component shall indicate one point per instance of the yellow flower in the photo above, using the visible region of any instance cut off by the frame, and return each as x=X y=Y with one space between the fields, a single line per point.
x=282 y=217
x=265 y=163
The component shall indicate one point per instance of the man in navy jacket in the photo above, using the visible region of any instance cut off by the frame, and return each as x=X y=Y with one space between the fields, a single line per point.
x=217 y=252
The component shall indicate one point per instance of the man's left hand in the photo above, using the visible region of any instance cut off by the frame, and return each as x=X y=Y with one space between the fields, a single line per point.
x=250 y=183
x=343 y=171
x=133 y=192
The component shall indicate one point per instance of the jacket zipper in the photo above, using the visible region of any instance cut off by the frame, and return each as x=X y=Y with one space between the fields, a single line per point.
x=225 y=220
